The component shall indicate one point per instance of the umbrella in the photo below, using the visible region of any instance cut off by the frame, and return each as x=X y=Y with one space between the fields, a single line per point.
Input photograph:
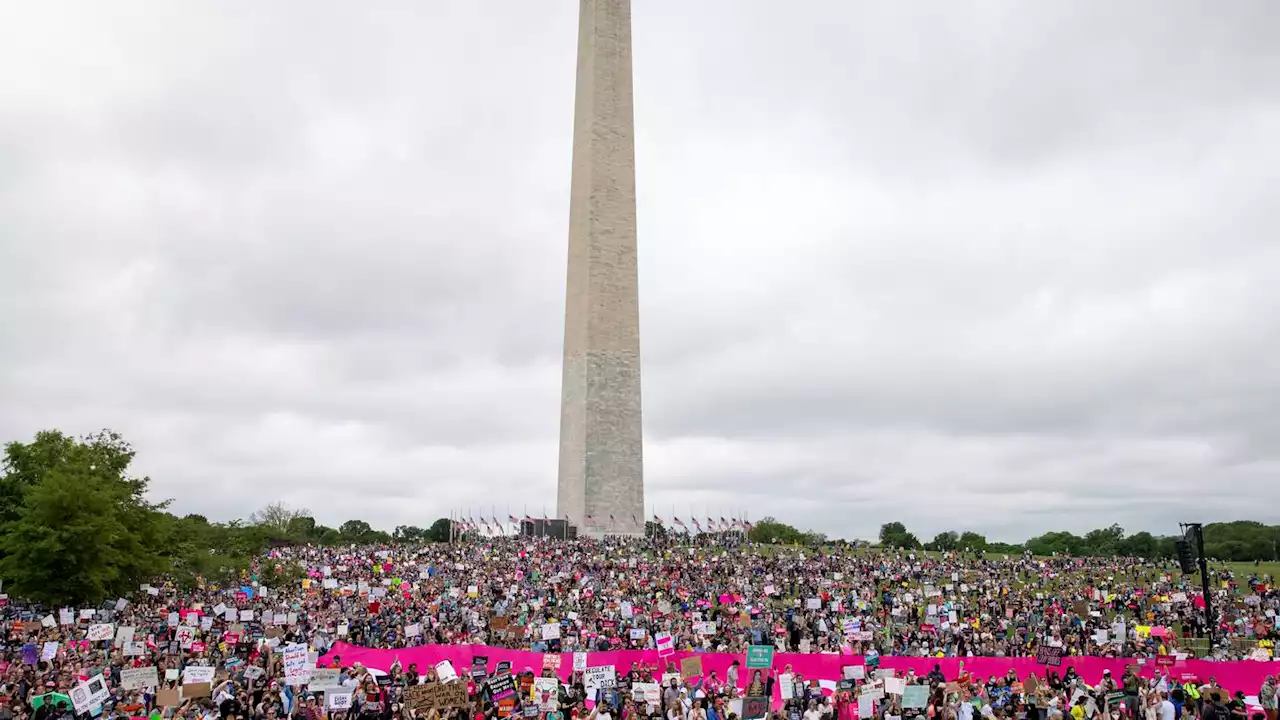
x=49 y=698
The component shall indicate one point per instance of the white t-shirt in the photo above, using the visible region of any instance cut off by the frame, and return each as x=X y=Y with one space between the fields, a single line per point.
x=1166 y=710
x=812 y=714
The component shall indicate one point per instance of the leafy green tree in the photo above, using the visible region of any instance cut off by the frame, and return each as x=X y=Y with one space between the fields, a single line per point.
x=770 y=530
x=303 y=527
x=971 y=542
x=895 y=535
x=355 y=529
x=1056 y=543
x=408 y=534
x=1142 y=544
x=943 y=542
x=83 y=531
x=891 y=530
x=439 y=531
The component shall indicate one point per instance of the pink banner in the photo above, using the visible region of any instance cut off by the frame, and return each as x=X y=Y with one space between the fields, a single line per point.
x=1246 y=675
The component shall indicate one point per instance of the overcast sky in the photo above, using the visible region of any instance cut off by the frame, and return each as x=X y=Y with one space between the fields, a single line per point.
x=1002 y=266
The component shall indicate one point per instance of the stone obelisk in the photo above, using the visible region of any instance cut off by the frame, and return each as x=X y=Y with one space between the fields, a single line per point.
x=601 y=488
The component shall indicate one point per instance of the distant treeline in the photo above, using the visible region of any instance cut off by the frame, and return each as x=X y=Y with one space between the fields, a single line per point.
x=1237 y=541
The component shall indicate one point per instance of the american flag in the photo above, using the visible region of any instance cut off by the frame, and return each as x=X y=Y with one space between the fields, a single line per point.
x=657 y=519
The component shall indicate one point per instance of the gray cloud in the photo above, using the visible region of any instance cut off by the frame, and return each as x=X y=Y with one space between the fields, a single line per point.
x=1003 y=267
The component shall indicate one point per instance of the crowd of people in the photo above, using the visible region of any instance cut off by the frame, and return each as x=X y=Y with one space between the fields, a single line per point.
x=234 y=652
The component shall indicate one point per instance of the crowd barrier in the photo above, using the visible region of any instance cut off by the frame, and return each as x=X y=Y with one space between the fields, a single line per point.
x=1245 y=675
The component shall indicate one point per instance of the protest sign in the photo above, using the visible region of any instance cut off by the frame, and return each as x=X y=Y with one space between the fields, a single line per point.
x=89 y=694
x=296 y=671
x=195 y=674
x=436 y=696
x=139 y=678
x=599 y=678
x=1049 y=655
x=691 y=667
x=759 y=656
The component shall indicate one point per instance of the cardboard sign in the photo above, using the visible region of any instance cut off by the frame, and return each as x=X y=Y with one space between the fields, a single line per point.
x=436 y=696
x=691 y=667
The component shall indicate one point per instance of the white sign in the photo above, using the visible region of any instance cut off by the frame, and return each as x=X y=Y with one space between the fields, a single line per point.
x=337 y=701
x=246 y=616
x=193 y=674
x=551 y=631
x=66 y=616
x=579 y=661
x=139 y=678
x=253 y=672
x=647 y=692
x=49 y=651
x=787 y=683
x=445 y=671
x=98 y=633
x=135 y=649
x=295 y=664
x=599 y=678
x=185 y=635
x=546 y=691
x=324 y=679
x=413 y=630
x=90 y=694
x=124 y=634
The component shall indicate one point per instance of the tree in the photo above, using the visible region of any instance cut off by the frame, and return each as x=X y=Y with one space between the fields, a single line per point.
x=943 y=542
x=971 y=542
x=439 y=531
x=891 y=530
x=408 y=534
x=355 y=529
x=279 y=517
x=83 y=531
x=1142 y=544
x=1056 y=543
x=895 y=535
x=770 y=530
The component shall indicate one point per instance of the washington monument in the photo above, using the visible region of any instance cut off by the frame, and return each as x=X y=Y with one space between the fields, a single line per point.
x=601 y=488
